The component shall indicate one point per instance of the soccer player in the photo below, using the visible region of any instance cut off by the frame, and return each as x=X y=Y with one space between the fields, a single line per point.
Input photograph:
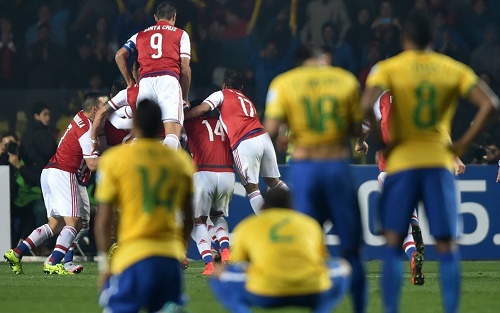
x=320 y=105
x=66 y=198
x=253 y=150
x=413 y=244
x=164 y=53
x=145 y=270
x=213 y=181
x=420 y=153
x=114 y=135
x=280 y=259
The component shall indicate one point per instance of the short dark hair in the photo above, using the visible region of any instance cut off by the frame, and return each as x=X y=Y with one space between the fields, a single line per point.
x=38 y=107
x=277 y=198
x=305 y=52
x=10 y=133
x=90 y=100
x=166 y=10
x=233 y=79
x=147 y=118
x=419 y=29
x=117 y=86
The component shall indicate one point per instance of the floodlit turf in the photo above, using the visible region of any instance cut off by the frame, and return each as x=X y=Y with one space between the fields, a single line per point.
x=35 y=292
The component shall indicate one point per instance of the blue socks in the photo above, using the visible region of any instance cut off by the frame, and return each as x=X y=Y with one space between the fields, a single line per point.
x=358 y=284
x=409 y=252
x=391 y=279
x=449 y=275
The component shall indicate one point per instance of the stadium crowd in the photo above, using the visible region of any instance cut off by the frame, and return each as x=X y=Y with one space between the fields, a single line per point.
x=40 y=41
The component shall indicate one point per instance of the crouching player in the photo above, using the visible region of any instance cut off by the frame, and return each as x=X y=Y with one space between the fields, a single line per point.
x=214 y=183
x=286 y=262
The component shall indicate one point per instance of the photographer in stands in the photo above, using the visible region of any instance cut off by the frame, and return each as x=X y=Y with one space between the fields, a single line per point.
x=26 y=202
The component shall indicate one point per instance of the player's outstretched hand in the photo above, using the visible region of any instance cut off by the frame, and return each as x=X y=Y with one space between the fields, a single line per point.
x=459 y=166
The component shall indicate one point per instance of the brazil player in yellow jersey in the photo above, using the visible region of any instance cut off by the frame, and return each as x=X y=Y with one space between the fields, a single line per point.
x=320 y=105
x=152 y=185
x=425 y=86
x=280 y=259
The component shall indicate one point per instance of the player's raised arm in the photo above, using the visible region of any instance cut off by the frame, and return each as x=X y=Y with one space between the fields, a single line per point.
x=488 y=104
x=121 y=61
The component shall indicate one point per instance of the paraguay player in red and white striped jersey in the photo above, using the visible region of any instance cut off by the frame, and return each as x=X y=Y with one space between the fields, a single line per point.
x=63 y=184
x=214 y=184
x=253 y=150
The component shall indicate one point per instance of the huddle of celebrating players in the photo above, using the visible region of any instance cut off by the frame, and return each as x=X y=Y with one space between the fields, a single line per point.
x=150 y=185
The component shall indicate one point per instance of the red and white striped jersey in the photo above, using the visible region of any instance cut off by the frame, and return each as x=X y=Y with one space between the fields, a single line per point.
x=160 y=49
x=74 y=147
x=382 y=110
x=237 y=114
x=208 y=144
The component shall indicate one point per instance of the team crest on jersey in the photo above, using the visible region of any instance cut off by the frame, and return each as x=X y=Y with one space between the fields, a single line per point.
x=271 y=95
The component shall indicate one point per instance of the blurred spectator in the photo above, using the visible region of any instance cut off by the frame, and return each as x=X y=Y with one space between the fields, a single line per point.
x=44 y=62
x=88 y=9
x=268 y=63
x=27 y=206
x=386 y=19
x=38 y=140
x=442 y=6
x=209 y=45
x=233 y=43
x=360 y=33
x=475 y=22
x=448 y=41
x=388 y=37
x=58 y=24
x=485 y=56
x=8 y=54
x=341 y=52
x=83 y=65
x=373 y=55
x=317 y=13
x=133 y=16
x=488 y=152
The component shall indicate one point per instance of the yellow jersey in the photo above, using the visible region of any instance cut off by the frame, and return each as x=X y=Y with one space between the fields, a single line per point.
x=425 y=86
x=286 y=251
x=149 y=182
x=319 y=103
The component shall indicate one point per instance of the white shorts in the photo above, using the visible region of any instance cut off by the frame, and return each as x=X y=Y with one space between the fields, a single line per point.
x=63 y=196
x=212 y=190
x=253 y=156
x=166 y=91
x=381 y=177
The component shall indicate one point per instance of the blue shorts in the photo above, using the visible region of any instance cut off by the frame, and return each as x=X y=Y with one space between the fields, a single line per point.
x=147 y=284
x=230 y=290
x=435 y=187
x=325 y=190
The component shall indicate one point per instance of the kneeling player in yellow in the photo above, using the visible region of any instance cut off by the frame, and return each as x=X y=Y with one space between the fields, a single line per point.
x=280 y=259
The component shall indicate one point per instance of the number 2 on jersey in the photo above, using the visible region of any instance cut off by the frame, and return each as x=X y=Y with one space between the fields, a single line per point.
x=217 y=131
x=274 y=234
x=425 y=112
x=156 y=43
x=154 y=192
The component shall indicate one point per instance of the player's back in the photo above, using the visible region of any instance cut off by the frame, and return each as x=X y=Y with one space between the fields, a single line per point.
x=238 y=116
x=274 y=242
x=425 y=86
x=152 y=182
x=69 y=153
x=208 y=144
x=159 y=49
x=321 y=104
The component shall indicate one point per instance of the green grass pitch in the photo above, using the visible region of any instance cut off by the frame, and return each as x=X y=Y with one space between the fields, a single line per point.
x=35 y=292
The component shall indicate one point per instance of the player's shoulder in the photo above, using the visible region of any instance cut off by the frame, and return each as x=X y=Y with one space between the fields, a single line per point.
x=184 y=161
